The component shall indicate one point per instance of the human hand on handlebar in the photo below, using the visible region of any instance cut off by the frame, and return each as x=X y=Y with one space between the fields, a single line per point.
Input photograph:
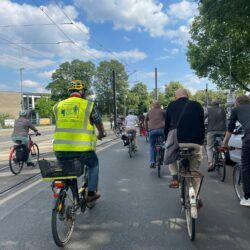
x=37 y=133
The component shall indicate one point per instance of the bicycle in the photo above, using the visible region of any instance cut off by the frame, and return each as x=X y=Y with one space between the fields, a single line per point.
x=118 y=130
x=159 y=153
x=189 y=198
x=16 y=161
x=219 y=162
x=131 y=143
x=68 y=198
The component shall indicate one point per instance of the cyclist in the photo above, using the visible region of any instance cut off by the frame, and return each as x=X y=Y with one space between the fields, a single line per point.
x=22 y=126
x=141 y=122
x=74 y=135
x=216 y=118
x=241 y=113
x=155 y=123
x=130 y=124
x=190 y=131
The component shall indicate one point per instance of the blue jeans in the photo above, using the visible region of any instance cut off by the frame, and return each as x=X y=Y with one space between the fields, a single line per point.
x=153 y=134
x=88 y=158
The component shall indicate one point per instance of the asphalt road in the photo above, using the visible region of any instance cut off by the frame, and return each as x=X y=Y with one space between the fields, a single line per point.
x=137 y=210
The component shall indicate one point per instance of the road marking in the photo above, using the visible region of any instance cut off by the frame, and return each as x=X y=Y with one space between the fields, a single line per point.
x=19 y=192
x=4 y=200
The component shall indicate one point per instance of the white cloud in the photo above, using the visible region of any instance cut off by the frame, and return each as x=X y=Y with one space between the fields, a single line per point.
x=126 y=38
x=47 y=74
x=183 y=10
x=170 y=54
x=143 y=15
x=180 y=35
x=30 y=84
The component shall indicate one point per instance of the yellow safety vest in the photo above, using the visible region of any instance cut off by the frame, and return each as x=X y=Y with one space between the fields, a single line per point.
x=74 y=132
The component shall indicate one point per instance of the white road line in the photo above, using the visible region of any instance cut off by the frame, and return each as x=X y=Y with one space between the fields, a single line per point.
x=19 y=192
x=39 y=181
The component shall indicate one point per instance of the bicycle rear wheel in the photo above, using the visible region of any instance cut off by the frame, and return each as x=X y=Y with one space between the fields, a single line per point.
x=34 y=154
x=15 y=167
x=237 y=182
x=130 y=149
x=221 y=168
x=63 y=217
x=189 y=219
x=158 y=162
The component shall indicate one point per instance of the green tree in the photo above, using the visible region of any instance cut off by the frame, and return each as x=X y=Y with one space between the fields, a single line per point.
x=103 y=85
x=68 y=71
x=140 y=91
x=44 y=107
x=4 y=116
x=221 y=29
x=200 y=96
x=170 y=90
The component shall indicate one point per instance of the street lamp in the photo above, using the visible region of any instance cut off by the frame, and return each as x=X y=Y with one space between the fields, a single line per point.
x=21 y=81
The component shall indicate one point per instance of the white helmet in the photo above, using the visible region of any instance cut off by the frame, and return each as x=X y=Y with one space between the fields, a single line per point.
x=23 y=113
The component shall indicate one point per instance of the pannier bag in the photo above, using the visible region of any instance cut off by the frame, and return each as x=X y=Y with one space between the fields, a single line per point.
x=53 y=169
x=22 y=153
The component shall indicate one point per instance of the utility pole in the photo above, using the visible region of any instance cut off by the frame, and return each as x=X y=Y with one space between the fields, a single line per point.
x=114 y=99
x=156 y=87
x=21 y=81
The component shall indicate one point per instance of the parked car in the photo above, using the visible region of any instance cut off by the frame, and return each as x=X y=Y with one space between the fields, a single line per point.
x=235 y=142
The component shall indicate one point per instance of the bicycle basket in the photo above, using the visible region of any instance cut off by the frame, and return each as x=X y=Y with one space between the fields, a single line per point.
x=22 y=153
x=53 y=169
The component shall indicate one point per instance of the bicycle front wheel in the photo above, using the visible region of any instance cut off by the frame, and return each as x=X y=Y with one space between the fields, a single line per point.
x=221 y=168
x=15 y=167
x=63 y=218
x=237 y=182
x=34 y=154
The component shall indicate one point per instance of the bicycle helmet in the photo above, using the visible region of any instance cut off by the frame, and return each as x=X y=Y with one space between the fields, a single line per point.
x=23 y=113
x=77 y=85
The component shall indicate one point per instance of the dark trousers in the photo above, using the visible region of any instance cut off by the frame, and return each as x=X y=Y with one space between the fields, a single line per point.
x=245 y=161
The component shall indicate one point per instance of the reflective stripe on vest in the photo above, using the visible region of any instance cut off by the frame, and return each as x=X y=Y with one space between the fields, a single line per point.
x=74 y=132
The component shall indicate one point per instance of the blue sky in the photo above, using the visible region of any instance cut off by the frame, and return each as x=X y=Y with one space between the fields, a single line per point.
x=144 y=34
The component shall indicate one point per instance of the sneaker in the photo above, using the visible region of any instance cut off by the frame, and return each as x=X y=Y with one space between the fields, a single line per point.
x=245 y=202
x=94 y=197
x=30 y=164
x=174 y=184
x=152 y=165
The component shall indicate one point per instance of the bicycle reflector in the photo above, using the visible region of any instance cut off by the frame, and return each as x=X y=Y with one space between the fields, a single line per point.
x=58 y=184
x=222 y=149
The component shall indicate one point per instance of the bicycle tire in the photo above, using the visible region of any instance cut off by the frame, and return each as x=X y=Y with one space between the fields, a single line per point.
x=190 y=221
x=130 y=149
x=14 y=164
x=237 y=182
x=221 y=169
x=34 y=153
x=158 y=162
x=61 y=242
x=182 y=181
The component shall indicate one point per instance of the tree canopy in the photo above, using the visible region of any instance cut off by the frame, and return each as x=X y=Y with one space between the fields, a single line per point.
x=220 y=34
x=68 y=71
x=44 y=107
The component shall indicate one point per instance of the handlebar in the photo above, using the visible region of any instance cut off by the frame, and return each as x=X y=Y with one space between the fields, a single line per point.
x=32 y=134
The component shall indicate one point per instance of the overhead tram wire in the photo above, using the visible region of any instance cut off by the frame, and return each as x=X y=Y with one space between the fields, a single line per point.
x=59 y=28
x=32 y=25
x=18 y=45
x=91 y=37
x=38 y=43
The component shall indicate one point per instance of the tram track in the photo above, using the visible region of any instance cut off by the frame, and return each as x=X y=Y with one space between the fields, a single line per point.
x=33 y=177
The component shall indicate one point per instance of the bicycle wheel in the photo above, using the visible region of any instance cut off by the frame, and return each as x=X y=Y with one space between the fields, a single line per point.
x=158 y=162
x=130 y=149
x=237 y=182
x=221 y=168
x=34 y=154
x=15 y=167
x=63 y=217
x=189 y=219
